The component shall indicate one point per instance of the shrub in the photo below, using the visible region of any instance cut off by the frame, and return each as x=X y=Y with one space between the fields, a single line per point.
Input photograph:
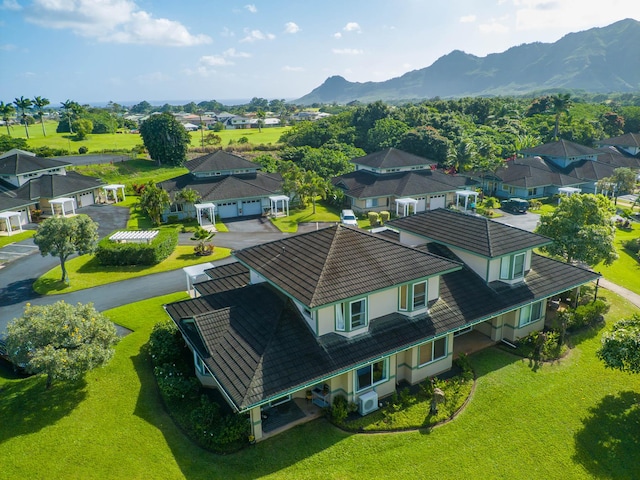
x=174 y=383
x=374 y=218
x=535 y=204
x=340 y=409
x=633 y=246
x=586 y=315
x=491 y=202
x=122 y=254
x=166 y=344
x=82 y=150
x=463 y=363
x=214 y=430
x=541 y=345
x=384 y=217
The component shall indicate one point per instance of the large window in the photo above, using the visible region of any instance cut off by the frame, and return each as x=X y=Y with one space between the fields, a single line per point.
x=530 y=313
x=372 y=374
x=351 y=315
x=420 y=295
x=512 y=267
x=371 y=202
x=432 y=351
x=412 y=297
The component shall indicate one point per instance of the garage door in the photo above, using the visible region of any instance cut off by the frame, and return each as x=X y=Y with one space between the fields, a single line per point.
x=252 y=207
x=437 y=201
x=226 y=210
x=421 y=206
x=85 y=199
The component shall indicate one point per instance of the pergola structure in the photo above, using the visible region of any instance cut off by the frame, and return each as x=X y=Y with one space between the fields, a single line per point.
x=568 y=191
x=134 y=236
x=114 y=191
x=7 y=216
x=274 y=204
x=210 y=210
x=466 y=194
x=406 y=204
x=194 y=272
x=62 y=202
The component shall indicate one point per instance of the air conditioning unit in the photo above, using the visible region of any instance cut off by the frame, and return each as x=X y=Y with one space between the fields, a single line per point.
x=367 y=402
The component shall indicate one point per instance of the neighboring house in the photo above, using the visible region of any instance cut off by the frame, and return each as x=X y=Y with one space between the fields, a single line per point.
x=383 y=177
x=30 y=182
x=235 y=186
x=628 y=143
x=342 y=311
x=545 y=169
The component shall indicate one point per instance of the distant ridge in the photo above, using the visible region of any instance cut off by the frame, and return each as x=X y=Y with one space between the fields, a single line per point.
x=599 y=60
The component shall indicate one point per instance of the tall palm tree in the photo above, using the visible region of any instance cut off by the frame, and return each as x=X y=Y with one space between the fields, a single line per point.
x=461 y=156
x=23 y=104
x=68 y=108
x=7 y=110
x=40 y=103
x=260 y=115
x=561 y=104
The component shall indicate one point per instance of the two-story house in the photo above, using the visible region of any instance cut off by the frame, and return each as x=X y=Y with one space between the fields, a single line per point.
x=31 y=182
x=234 y=185
x=382 y=178
x=342 y=311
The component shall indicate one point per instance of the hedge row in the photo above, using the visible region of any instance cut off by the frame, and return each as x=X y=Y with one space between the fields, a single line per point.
x=121 y=254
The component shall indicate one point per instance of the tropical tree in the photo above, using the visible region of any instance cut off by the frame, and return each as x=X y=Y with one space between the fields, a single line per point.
x=311 y=186
x=153 y=200
x=620 y=348
x=69 y=106
x=83 y=127
x=260 y=115
x=165 y=139
x=40 y=103
x=582 y=229
x=60 y=340
x=23 y=104
x=561 y=104
x=461 y=156
x=63 y=236
x=188 y=196
x=7 y=111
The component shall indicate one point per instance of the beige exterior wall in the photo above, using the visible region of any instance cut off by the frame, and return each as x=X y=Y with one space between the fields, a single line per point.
x=383 y=303
x=326 y=320
x=418 y=373
x=494 y=268
x=511 y=329
x=474 y=262
x=410 y=239
x=433 y=288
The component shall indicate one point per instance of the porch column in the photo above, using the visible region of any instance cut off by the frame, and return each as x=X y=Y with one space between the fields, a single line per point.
x=496 y=328
x=255 y=418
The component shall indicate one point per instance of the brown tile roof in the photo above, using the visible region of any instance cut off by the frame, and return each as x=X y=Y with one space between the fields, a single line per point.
x=473 y=233
x=613 y=156
x=219 y=160
x=626 y=140
x=561 y=148
x=21 y=163
x=392 y=158
x=55 y=186
x=225 y=277
x=533 y=172
x=337 y=263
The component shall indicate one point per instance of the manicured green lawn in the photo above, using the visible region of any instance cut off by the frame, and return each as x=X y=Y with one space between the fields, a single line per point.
x=268 y=136
x=16 y=237
x=323 y=213
x=85 y=271
x=626 y=270
x=130 y=172
x=571 y=420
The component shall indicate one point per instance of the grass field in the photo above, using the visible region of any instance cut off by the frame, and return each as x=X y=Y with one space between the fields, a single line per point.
x=569 y=420
x=130 y=172
x=625 y=271
x=16 y=237
x=97 y=143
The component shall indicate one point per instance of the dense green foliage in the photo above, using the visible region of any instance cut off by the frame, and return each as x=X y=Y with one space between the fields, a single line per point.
x=165 y=139
x=621 y=346
x=153 y=200
x=129 y=253
x=62 y=236
x=60 y=340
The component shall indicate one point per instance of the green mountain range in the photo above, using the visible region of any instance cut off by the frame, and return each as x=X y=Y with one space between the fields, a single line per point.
x=599 y=60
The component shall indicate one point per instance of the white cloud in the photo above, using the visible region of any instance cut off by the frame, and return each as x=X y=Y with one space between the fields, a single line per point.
x=251 y=8
x=117 y=21
x=291 y=27
x=347 y=51
x=255 y=35
x=10 y=5
x=468 y=19
x=337 y=35
x=214 y=61
x=233 y=53
x=352 y=27
x=288 y=68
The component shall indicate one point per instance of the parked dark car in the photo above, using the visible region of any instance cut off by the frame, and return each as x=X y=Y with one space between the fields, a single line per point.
x=515 y=205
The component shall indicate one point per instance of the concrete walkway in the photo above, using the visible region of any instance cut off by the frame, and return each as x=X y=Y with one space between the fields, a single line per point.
x=623 y=292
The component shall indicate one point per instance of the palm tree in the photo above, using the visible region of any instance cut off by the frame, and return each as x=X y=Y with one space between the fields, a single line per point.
x=68 y=107
x=188 y=196
x=462 y=155
x=313 y=185
x=7 y=111
x=23 y=103
x=561 y=104
x=40 y=103
x=260 y=115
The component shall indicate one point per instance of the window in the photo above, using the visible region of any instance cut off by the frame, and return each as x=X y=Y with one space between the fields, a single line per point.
x=199 y=364
x=371 y=202
x=176 y=207
x=432 y=351
x=532 y=191
x=512 y=267
x=403 y=305
x=530 y=313
x=355 y=317
x=509 y=189
x=420 y=295
x=372 y=374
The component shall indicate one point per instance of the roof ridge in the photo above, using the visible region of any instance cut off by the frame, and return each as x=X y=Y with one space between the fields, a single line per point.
x=324 y=264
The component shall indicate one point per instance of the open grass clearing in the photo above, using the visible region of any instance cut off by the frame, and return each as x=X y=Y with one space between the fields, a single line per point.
x=324 y=213
x=130 y=172
x=16 y=237
x=85 y=271
x=625 y=271
x=570 y=420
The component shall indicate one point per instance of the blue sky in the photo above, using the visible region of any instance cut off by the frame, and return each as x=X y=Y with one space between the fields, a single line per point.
x=132 y=50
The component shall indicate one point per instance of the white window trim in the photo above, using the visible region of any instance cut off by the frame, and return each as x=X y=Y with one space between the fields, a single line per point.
x=525 y=319
x=508 y=265
x=426 y=296
x=343 y=322
x=432 y=344
x=385 y=377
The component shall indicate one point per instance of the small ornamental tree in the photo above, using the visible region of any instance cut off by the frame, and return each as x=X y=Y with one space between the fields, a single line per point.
x=581 y=229
x=165 y=139
x=153 y=200
x=62 y=236
x=62 y=341
x=621 y=346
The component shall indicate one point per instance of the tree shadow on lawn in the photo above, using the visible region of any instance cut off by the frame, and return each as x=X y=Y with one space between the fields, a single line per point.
x=492 y=359
x=27 y=407
x=608 y=444
x=300 y=443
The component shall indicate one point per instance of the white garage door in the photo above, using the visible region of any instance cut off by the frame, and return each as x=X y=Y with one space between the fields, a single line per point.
x=437 y=201
x=252 y=207
x=226 y=210
x=421 y=206
x=85 y=199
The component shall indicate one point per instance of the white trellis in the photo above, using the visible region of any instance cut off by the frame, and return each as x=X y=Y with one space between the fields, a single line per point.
x=406 y=204
x=568 y=191
x=274 y=204
x=7 y=216
x=466 y=194
x=134 y=236
x=113 y=189
x=62 y=202
x=209 y=209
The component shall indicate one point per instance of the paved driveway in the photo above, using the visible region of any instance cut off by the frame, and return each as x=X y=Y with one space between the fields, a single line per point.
x=526 y=221
x=252 y=224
